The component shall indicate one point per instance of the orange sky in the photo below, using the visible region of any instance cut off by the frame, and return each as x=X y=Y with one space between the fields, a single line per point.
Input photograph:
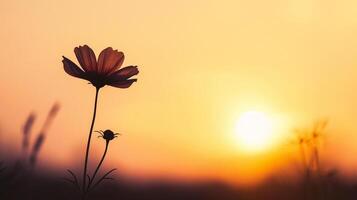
x=202 y=63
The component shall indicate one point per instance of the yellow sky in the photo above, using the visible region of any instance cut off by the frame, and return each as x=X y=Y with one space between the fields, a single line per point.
x=201 y=64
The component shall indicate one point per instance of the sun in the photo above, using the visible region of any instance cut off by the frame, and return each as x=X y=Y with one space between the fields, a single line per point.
x=254 y=131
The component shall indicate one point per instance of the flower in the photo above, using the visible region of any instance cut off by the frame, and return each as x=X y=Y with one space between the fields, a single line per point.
x=104 y=71
x=108 y=135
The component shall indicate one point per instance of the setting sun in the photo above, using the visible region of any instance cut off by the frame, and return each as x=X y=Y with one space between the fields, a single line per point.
x=254 y=131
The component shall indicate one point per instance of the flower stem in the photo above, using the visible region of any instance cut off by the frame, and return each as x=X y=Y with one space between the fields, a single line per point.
x=99 y=165
x=88 y=145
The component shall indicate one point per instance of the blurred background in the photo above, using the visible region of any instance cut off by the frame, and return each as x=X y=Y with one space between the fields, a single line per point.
x=225 y=87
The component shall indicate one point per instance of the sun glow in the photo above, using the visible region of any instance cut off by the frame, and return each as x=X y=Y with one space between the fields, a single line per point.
x=255 y=131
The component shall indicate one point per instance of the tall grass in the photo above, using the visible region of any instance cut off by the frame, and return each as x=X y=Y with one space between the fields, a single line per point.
x=26 y=133
x=19 y=175
x=42 y=134
x=309 y=147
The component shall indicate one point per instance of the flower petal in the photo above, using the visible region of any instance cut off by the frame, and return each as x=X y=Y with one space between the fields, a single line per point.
x=109 y=60
x=86 y=58
x=123 y=74
x=123 y=83
x=72 y=69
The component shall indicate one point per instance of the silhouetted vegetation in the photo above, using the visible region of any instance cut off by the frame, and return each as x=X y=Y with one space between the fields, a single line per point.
x=316 y=181
x=17 y=181
x=44 y=186
x=104 y=71
x=19 y=174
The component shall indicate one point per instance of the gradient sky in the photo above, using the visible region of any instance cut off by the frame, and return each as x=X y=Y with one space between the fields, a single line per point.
x=202 y=63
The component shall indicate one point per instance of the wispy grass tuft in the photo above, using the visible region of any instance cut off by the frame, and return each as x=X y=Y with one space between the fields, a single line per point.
x=26 y=130
x=42 y=135
x=309 y=144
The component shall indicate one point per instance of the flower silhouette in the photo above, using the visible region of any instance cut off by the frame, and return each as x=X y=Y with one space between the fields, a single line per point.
x=104 y=71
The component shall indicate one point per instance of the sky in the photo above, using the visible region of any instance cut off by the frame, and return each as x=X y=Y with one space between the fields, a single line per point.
x=202 y=64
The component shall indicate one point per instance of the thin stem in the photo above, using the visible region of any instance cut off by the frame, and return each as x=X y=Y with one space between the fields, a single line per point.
x=317 y=160
x=88 y=144
x=305 y=170
x=100 y=163
x=303 y=157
